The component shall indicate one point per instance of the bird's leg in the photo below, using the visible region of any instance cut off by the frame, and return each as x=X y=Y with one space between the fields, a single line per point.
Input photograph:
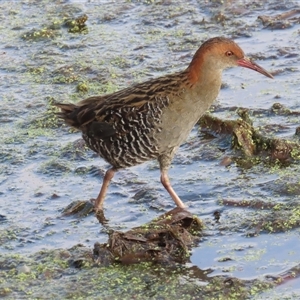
x=167 y=185
x=164 y=162
x=106 y=181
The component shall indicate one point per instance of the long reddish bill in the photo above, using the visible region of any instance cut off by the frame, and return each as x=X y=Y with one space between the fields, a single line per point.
x=247 y=63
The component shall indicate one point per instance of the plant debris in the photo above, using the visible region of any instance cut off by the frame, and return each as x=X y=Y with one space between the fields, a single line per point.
x=167 y=239
x=250 y=140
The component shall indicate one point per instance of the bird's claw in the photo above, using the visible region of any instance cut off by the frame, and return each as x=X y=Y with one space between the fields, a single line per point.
x=100 y=216
x=99 y=213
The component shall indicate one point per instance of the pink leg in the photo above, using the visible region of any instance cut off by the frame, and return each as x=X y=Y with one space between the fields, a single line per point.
x=167 y=185
x=106 y=181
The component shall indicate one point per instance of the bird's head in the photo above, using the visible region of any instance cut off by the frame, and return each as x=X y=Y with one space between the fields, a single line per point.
x=219 y=53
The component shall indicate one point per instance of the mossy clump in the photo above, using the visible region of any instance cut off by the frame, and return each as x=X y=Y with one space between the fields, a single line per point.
x=77 y=25
x=82 y=87
x=40 y=34
x=250 y=141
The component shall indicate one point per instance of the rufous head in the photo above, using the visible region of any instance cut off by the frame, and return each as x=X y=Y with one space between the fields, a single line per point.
x=219 y=53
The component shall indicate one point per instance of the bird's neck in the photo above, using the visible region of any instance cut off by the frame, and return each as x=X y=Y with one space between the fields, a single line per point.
x=201 y=71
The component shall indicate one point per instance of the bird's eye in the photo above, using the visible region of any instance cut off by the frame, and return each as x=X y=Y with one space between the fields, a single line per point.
x=229 y=53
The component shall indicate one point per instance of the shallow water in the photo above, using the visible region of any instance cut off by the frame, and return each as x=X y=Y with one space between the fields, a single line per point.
x=129 y=42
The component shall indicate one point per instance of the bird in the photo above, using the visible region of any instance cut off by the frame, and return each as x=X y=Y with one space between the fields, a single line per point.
x=150 y=120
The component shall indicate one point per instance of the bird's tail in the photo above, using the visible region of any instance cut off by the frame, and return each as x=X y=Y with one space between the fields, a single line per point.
x=68 y=113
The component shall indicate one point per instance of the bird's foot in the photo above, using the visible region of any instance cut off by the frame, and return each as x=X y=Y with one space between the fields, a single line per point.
x=99 y=213
x=101 y=218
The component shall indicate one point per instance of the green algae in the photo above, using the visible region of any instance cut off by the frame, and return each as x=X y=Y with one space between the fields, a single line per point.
x=54 y=272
